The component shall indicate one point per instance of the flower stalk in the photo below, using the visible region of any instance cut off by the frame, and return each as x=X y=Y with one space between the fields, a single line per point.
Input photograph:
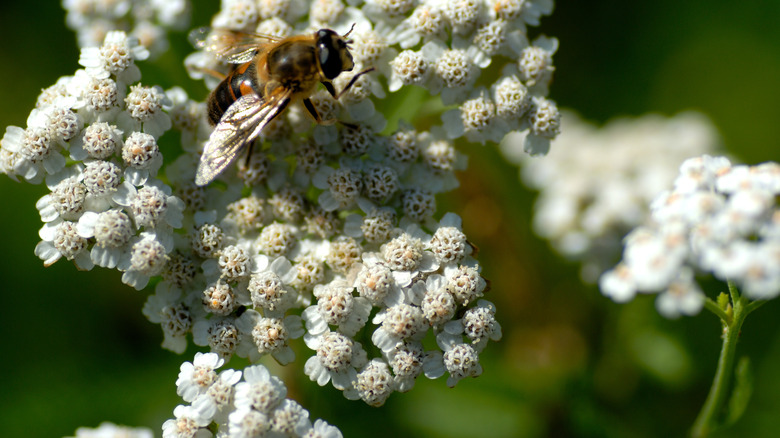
x=732 y=315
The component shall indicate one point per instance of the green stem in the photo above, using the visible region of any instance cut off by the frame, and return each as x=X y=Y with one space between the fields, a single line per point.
x=731 y=322
x=713 y=307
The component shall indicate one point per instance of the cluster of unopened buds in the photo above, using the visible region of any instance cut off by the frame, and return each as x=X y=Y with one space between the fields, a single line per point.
x=326 y=231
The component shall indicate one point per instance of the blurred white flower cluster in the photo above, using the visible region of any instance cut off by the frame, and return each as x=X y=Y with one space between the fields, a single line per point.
x=719 y=218
x=597 y=182
x=110 y=430
x=253 y=406
x=146 y=20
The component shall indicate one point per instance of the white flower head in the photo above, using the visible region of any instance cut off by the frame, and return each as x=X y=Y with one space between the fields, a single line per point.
x=696 y=226
x=190 y=420
x=269 y=336
x=115 y=57
x=107 y=429
x=336 y=306
x=147 y=258
x=196 y=377
x=61 y=238
x=336 y=360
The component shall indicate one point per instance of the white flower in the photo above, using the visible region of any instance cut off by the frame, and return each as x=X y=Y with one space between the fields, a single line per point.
x=375 y=383
x=535 y=64
x=454 y=72
x=321 y=429
x=61 y=238
x=618 y=284
x=236 y=14
x=597 y=183
x=479 y=324
x=141 y=155
x=406 y=360
x=336 y=307
x=336 y=360
x=375 y=282
x=108 y=430
x=449 y=243
x=197 y=376
x=115 y=57
x=39 y=153
x=289 y=419
x=112 y=231
x=459 y=359
x=152 y=206
x=343 y=186
x=144 y=111
x=269 y=335
x=697 y=226
x=165 y=307
x=405 y=255
x=409 y=68
x=260 y=391
x=269 y=289
x=172 y=13
x=475 y=119
x=190 y=421
x=683 y=297
x=247 y=423
x=398 y=324
x=188 y=117
x=147 y=258
x=427 y=22
x=220 y=333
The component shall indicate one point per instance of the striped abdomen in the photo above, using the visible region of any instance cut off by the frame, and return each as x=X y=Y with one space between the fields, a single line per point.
x=243 y=80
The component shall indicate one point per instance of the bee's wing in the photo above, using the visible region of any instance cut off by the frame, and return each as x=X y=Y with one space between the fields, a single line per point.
x=241 y=124
x=228 y=45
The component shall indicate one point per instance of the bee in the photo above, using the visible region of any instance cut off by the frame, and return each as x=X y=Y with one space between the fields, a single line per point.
x=271 y=73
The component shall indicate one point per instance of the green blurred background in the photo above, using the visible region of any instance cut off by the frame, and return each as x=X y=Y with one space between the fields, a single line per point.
x=77 y=350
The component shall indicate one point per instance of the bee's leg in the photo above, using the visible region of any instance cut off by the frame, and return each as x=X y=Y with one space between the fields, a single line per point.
x=349 y=125
x=249 y=154
x=349 y=85
x=279 y=109
x=329 y=87
x=317 y=118
x=314 y=113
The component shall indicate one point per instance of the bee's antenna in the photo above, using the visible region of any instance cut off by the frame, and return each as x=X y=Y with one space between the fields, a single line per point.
x=347 y=34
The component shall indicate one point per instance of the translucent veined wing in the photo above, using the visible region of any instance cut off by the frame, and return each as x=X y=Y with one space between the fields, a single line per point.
x=241 y=124
x=228 y=45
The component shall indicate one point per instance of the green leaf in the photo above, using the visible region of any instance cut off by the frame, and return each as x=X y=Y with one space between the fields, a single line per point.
x=743 y=389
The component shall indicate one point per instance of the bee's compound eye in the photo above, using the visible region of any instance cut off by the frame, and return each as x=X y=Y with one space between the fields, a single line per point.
x=328 y=53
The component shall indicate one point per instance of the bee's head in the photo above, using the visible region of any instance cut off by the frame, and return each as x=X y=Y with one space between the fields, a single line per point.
x=333 y=52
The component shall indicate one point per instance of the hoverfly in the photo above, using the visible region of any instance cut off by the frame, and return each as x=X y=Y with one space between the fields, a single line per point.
x=272 y=73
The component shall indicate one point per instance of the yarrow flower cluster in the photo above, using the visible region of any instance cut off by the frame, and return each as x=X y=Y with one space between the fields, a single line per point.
x=237 y=404
x=719 y=218
x=597 y=182
x=327 y=232
x=106 y=207
x=443 y=47
x=146 y=20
